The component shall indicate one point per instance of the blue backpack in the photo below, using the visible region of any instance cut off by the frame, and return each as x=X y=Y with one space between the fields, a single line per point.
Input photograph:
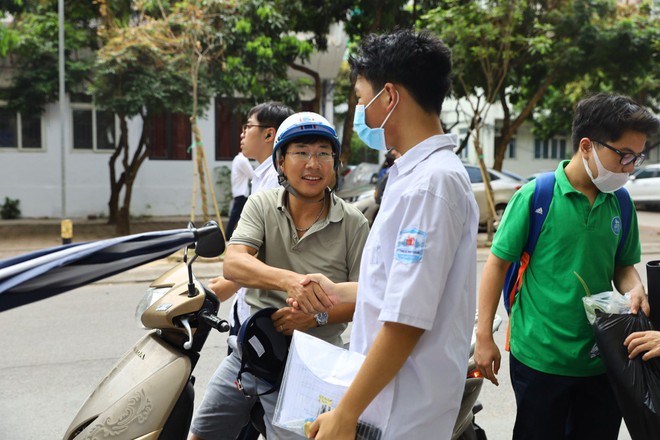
x=541 y=199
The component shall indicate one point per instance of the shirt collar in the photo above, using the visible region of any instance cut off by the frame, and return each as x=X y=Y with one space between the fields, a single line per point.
x=565 y=186
x=263 y=167
x=424 y=149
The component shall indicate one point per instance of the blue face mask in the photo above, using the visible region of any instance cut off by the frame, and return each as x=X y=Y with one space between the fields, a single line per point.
x=373 y=137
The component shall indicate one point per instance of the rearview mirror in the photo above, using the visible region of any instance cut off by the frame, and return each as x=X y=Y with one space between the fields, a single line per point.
x=210 y=242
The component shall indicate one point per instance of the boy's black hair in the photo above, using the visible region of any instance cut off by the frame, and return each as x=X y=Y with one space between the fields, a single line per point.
x=605 y=117
x=420 y=62
x=271 y=114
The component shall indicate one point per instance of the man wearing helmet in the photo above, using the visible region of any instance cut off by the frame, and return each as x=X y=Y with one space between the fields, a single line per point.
x=283 y=234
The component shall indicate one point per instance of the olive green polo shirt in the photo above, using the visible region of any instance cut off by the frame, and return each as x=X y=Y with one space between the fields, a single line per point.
x=332 y=247
x=549 y=327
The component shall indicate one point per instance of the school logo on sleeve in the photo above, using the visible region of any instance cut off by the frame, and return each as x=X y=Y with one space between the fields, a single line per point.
x=410 y=246
x=616 y=225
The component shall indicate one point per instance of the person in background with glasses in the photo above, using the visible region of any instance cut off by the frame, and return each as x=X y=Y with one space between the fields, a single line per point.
x=562 y=391
x=299 y=228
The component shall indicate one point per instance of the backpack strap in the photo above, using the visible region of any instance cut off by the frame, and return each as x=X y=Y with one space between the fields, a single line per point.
x=538 y=211
x=625 y=209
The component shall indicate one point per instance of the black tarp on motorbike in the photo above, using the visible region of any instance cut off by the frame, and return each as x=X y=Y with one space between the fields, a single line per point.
x=636 y=383
x=48 y=272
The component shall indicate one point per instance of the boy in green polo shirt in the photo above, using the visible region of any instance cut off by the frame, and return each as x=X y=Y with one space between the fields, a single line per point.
x=561 y=391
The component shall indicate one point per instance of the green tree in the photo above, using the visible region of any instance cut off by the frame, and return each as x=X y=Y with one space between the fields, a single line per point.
x=485 y=47
x=563 y=49
x=148 y=66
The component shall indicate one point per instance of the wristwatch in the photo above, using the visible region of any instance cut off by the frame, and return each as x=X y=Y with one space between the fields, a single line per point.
x=321 y=319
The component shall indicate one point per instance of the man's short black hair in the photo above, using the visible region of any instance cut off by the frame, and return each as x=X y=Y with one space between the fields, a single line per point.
x=420 y=62
x=271 y=114
x=606 y=117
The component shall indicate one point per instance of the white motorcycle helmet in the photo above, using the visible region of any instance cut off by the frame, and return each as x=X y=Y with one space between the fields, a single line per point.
x=304 y=124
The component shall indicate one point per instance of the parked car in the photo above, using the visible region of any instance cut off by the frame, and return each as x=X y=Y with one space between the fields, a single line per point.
x=644 y=186
x=504 y=186
x=360 y=180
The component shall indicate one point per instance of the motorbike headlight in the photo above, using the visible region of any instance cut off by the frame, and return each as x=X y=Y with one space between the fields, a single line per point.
x=152 y=295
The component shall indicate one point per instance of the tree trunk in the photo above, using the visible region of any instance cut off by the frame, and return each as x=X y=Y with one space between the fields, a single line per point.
x=116 y=184
x=488 y=189
x=510 y=128
x=127 y=178
x=348 y=125
x=199 y=159
x=318 y=86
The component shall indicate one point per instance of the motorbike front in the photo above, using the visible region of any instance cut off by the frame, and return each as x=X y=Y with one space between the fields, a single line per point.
x=149 y=393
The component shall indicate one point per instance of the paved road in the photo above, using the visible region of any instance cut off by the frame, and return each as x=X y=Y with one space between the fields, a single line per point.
x=55 y=351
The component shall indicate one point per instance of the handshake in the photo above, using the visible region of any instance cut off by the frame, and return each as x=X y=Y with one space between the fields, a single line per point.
x=316 y=293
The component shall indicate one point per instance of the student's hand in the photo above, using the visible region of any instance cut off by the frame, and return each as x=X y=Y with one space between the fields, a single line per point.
x=322 y=293
x=640 y=342
x=332 y=426
x=487 y=357
x=288 y=319
x=307 y=297
x=639 y=299
x=223 y=288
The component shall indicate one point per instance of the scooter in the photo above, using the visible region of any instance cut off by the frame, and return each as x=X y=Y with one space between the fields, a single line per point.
x=149 y=393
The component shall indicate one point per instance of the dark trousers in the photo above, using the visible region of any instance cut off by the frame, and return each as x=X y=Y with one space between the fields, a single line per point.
x=552 y=407
x=234 y=215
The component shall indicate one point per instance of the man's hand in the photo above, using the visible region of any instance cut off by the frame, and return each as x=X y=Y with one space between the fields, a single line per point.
x=287 y=319
x=332 y=426
x=223 y=288
x=640 y=342
x=638 y=299
x=311 y=295
x=487 y=357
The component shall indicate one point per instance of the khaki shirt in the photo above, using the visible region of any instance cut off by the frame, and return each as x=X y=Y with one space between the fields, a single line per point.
x=332 y=246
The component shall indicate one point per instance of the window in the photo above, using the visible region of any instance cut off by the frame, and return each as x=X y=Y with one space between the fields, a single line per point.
x=550 y=149
x=171 y=137
x=93 y=129
x=227 y=128
x=19 y=131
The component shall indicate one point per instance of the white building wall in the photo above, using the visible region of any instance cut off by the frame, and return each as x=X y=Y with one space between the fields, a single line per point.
x=162 y=187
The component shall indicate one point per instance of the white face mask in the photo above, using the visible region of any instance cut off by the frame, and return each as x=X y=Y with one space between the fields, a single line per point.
x=607 y=181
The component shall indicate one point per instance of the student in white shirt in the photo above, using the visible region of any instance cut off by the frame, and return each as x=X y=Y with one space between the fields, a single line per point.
x=416 y=295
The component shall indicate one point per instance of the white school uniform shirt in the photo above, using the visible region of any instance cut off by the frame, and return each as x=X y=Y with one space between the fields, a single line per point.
x=241 y=174
x=419 y=269
x=265 y=177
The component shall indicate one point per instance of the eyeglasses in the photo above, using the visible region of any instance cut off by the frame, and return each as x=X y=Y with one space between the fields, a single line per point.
x=246 y=126
x=626 y=158
x=306 y=156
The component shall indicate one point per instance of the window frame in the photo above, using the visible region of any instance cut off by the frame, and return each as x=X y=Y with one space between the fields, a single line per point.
x=91 y=106
x=19 y=135
x=551 y=149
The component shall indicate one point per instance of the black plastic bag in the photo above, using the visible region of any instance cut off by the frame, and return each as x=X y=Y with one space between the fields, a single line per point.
x=636 y=383
x=653 y=275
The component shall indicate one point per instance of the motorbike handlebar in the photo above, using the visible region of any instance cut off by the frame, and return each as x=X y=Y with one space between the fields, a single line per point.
x=220 y=325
